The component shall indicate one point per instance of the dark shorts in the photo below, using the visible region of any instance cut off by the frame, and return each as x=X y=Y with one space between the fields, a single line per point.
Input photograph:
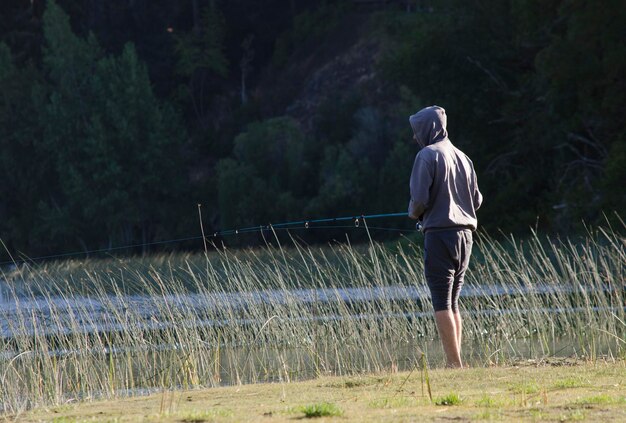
x=446 y=256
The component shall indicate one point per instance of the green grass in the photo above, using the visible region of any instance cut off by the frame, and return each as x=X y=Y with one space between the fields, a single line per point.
x=390 y=397
x=602 y=399
x=569 y=383
x=573 y=416
x=537 y=414
x=355 y=383
x=489 y=414
x=203 y=416
x=323 y=409
x=487 y=402
x=450 y=399
x=392 y=402
x=525 y=388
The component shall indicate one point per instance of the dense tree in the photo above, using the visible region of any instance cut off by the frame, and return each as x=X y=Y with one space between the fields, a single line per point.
x=113 y=144
x=534 y=90
x=269 y=178
x=105 y=107
x=582 y=72
x=201 y=60
x=24 y=166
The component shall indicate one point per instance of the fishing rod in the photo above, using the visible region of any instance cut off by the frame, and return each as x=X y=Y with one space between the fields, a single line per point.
x=307 y=224
x=296 y=224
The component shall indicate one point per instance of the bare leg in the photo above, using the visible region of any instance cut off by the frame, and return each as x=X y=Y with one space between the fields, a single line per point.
x=459 y=328
x=446 y=325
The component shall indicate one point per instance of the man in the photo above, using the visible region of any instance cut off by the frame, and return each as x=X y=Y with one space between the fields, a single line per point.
x=444 y=199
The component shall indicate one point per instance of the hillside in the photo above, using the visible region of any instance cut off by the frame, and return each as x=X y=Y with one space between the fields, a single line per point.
x=339 y=63
x=290 y=110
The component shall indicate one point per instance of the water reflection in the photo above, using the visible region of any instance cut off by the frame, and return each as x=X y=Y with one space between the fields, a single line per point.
x=75 y=315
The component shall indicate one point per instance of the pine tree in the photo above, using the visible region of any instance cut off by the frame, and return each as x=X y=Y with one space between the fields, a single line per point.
x=114 y=145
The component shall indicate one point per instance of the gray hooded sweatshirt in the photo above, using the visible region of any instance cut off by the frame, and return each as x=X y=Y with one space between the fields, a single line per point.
x=444 y=188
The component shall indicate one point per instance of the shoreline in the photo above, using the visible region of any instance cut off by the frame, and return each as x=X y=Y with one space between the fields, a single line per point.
x=557 y=389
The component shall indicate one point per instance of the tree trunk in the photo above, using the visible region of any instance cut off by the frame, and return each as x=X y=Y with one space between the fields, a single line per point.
x=245 y=64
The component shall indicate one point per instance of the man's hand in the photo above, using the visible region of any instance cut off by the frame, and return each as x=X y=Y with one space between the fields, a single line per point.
x=416 y=210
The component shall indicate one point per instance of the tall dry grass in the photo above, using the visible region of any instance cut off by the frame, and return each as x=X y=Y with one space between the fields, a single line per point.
x=78 y=330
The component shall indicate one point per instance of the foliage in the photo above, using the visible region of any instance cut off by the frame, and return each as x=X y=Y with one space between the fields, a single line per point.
x=23 y=162
x=583 y=72
x=185 y=321
x=450 y=399
x=204 y=48
x=308 y=28
x=602 y=399
x=323 y=409
x=108 y=146
x=527 y=85
x=201 y=60
x=269 y=176
x=115 y=105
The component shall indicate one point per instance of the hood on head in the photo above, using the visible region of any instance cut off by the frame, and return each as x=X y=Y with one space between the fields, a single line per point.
x=429 y=125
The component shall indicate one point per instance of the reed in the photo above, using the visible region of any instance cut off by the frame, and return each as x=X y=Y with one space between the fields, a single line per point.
x=86 y=329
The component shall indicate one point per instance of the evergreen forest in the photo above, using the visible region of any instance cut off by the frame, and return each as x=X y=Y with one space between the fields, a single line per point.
x=119 y=117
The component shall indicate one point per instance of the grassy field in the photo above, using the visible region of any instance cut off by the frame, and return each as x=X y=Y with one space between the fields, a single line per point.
x=85 y=330
x=556 y=390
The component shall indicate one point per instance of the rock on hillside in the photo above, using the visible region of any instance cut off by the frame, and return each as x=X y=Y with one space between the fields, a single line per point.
x=319 y=70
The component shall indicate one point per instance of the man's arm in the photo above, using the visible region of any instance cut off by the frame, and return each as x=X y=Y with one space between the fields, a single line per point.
x=421 y=181
x=478 y=197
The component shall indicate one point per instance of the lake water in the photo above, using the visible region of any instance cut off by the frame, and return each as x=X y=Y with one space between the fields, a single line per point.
x=388 y=312
x=60 y=315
